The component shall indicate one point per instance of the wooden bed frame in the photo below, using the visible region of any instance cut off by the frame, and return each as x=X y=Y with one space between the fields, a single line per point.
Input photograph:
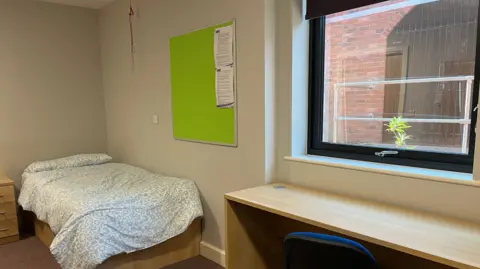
x=179 y=248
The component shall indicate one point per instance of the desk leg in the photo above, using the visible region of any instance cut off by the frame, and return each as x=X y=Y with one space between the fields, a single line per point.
x=240 y=251
x=246 y=239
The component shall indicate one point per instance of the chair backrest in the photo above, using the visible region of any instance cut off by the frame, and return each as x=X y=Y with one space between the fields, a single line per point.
x=321 y=251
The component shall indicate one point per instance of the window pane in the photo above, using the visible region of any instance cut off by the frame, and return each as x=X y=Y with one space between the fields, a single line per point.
x=400 y=75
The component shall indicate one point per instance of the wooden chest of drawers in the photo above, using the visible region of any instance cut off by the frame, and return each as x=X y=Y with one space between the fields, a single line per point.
x=8 y=212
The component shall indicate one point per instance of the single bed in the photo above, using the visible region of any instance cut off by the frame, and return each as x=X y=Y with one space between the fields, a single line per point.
x=93 y=213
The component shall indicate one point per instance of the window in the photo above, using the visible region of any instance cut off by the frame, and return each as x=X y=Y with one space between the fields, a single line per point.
x=396 y=82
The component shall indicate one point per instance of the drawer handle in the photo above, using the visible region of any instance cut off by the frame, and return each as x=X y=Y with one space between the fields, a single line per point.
x=1 y=195
x=3 y=213
x=3 y=230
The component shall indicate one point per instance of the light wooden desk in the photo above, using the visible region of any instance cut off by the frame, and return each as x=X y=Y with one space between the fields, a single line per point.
x=257 y=220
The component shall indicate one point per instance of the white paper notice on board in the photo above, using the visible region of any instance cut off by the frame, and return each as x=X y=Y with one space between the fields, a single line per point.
x=223 y=46
x=224 y=87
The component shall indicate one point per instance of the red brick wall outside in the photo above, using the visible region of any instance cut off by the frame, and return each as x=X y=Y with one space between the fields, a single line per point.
x=356 y=51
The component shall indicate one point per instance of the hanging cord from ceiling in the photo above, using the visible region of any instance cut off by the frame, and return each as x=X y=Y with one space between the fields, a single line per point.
x=131 y=15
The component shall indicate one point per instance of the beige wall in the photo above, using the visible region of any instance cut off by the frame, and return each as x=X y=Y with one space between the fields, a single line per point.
x=51 y=100
x=448 y=199
x=134 y=93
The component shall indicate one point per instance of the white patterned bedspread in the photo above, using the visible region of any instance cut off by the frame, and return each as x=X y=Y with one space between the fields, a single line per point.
x=103 y=210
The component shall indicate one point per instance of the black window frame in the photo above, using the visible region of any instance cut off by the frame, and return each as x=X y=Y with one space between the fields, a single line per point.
x=412 y=158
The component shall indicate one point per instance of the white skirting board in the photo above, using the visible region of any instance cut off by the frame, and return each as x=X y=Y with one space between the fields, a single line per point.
x=212 y=253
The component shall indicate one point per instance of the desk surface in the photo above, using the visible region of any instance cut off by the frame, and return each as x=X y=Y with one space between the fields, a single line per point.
x=445 y=240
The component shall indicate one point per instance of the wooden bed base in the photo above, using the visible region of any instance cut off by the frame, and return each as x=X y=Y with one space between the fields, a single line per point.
x=179 y=248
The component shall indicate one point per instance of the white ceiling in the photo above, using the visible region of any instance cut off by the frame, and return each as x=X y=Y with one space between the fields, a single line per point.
x=95 y=4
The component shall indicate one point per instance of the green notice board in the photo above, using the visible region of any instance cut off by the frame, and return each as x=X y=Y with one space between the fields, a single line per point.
x=195 y=113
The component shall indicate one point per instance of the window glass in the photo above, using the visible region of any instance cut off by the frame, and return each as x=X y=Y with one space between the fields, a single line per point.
x=400 y=75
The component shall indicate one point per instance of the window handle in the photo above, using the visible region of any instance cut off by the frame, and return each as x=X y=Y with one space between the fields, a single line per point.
x=475 y=109
x=386 y=153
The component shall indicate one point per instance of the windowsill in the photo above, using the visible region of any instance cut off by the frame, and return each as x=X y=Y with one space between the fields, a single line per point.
x=388 y=169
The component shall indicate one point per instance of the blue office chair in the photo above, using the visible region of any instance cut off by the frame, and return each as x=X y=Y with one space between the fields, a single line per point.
x=321 y=251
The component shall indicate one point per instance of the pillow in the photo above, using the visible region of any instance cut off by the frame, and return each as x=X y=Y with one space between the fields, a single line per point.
x=68 y=162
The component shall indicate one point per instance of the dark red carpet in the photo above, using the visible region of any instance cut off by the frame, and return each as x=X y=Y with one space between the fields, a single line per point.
x=32 y=254
x=27 y=254
x=195 y=263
